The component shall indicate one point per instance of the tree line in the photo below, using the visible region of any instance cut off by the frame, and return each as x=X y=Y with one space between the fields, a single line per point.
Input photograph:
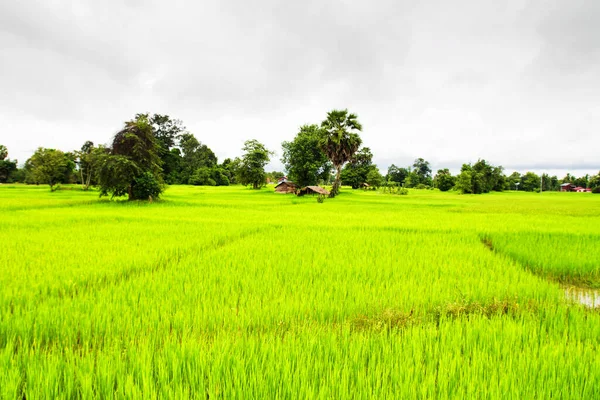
x=153 y=150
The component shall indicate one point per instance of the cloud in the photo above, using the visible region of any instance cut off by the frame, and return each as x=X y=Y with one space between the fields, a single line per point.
x=513 y=82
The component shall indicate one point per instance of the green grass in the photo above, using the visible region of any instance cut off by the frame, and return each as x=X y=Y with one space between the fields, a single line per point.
x=234 y=293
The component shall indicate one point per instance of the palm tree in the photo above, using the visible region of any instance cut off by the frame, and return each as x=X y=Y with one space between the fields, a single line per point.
x=339 y=141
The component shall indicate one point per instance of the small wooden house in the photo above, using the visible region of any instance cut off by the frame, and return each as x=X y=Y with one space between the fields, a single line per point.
x=312 y=190
x=285 y=186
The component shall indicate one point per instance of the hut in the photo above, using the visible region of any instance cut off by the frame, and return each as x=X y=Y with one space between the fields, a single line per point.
x=285 y=186
x=312 y=190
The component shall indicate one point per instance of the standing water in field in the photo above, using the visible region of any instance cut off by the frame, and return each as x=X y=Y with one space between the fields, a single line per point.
x=587 y=297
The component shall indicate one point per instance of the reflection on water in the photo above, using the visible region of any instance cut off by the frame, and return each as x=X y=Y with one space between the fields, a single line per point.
x=587 y=297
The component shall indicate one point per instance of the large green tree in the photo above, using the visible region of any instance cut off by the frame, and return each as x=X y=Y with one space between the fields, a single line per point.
x=304 y=161
x=339 y=141
x=133 y=160
x=7 y=167
x=421 y=173
x=444 y=180
x=195 y=155
x=356 y=172
x=49 y=166
x=397 y=174
x=251 y=168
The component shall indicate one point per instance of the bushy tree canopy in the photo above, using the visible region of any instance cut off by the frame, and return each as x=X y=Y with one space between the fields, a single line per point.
x=356 y=172
x=134 y=154
x=50 y=166
x=7 y=167
x=251 y=168
x=303 y=158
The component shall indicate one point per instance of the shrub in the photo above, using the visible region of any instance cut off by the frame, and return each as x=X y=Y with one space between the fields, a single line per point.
x=596 y=190
x=146 y=186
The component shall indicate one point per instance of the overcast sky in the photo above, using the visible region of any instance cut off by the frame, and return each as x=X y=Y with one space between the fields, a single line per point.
x=514 y=82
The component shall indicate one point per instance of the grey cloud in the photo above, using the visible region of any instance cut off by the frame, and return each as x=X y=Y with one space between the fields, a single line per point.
x=447 y=81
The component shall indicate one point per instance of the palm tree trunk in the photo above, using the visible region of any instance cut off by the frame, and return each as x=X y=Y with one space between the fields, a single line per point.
x=336 y=183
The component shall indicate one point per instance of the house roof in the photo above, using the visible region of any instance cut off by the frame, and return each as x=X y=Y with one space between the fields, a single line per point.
x=317 y=189
x=285 y=181
x=567 y=184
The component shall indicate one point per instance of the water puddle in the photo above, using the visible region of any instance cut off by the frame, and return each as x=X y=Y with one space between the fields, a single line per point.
x=588 y=297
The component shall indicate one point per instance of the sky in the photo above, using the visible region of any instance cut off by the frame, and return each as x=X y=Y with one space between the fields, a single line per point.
x=516 y=83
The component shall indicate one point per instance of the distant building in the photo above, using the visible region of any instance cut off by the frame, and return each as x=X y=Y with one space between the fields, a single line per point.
x=285 y=186
x=312 y=190
x=567 y=187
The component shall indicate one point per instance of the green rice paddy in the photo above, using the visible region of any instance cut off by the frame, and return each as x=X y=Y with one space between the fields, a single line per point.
x=235 y=293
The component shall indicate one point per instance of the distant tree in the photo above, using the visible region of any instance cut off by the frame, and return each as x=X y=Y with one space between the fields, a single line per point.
x=228 y=168
x=88 y=159
x=530 y=182
x=355 y=172
x=133 y=159
x=339 y=141
x=251 y=169
x=582 y=181
x=49 y=166
x=303 y=158
x=194 y=155
x=512 y=180
x=491 y=178
x=550 y=183
x=421 y=172
x=374 y=178
x=464 y=181
x=202 y=177
x=568 y=178
x=595 y=181
x=7 y=167
x=444 y=180
x=396 y=174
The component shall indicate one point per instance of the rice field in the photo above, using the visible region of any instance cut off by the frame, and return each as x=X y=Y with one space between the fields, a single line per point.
x=234 y=293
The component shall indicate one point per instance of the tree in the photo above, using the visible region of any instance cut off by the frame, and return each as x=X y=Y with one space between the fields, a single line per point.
x=133 y=160
x=513 y=181
x=355 y=172
x=530 y=182
x=444 y=180
x=492 y=178
x=194 y=155
x=49 y=166
x=374 y=178
x=87 y=159
x=228 y=167
x=550 y=183
x=422 y=172
x=251 y=169
x=464 y=181
x=595 y=181
x=396 y=174
x=339 y=141
x=7 y=167
x=304 y=161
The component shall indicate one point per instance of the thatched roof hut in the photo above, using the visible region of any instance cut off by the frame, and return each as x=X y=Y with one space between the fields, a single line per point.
x=312 y=190
x=285 y=186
